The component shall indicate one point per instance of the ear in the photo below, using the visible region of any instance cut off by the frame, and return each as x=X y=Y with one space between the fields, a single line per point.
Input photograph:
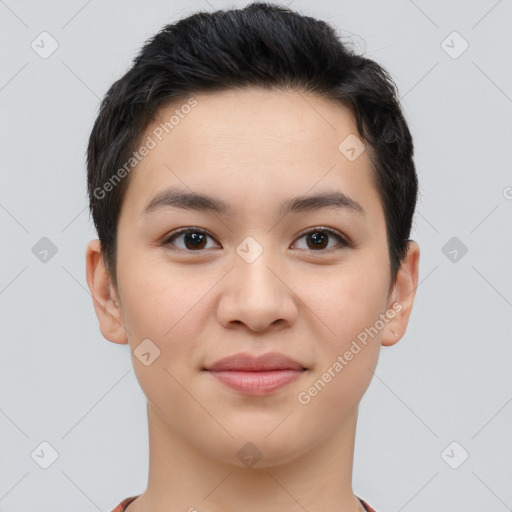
x=401 y=297
x=104 y=295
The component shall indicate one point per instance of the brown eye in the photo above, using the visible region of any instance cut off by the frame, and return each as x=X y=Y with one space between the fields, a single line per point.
x=317 y=239
x=194 y=239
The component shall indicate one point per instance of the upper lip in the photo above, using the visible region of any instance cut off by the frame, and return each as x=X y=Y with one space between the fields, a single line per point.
x=250 y=363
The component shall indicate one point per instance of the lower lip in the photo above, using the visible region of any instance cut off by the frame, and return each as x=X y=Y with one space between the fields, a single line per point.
x=257 y=383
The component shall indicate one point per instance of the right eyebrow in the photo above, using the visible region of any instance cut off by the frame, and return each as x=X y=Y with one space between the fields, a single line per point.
x=178 y=198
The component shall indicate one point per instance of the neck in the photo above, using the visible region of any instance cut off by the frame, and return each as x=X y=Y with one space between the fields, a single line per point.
x=182 y=478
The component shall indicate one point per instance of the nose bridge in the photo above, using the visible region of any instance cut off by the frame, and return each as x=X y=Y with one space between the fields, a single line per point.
x=253 y=271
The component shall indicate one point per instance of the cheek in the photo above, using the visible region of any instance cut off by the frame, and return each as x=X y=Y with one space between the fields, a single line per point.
x=348 y=301
x=157 y=296
x=348 y=352
x=164 y=308
x=347 y=308
x=152 y=308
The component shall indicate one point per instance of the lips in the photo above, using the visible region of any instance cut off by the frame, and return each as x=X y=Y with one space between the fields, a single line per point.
x=256 y=375
x=243 y=362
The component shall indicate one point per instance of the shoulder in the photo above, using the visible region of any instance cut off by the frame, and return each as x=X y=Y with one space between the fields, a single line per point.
x=125 y=503
x=367 y=507
x=122 y=506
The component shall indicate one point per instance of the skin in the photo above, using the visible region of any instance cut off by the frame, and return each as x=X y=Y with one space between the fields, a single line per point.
x=252 y=149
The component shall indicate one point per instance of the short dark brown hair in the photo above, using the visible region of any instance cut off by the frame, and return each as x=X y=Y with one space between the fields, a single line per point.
x=261 y=45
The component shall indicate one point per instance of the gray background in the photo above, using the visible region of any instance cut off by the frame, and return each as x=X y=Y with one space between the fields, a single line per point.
x=448 y=379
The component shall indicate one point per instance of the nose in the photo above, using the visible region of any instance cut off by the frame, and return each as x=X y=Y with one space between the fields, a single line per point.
x=257 y=295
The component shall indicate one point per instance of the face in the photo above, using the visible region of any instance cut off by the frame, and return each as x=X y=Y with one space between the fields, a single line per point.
x=252 y=271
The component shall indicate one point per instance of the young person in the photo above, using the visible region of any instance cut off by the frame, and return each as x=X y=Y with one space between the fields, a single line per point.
x=252 y=184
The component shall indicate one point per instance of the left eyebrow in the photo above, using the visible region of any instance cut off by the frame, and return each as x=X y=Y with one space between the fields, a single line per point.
x=328 y=199
x=183 y=199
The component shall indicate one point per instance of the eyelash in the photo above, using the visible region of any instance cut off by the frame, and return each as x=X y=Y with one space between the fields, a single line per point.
x=344 y=243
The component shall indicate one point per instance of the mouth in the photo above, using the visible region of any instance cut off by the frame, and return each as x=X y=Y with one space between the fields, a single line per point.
x=256 y=375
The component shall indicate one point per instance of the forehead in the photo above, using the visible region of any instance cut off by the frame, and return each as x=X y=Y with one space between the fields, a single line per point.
x=257 y=122
x=254 y=145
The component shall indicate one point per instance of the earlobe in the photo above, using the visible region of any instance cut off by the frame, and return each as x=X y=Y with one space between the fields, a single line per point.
x=402 y=298
x=104 y=296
